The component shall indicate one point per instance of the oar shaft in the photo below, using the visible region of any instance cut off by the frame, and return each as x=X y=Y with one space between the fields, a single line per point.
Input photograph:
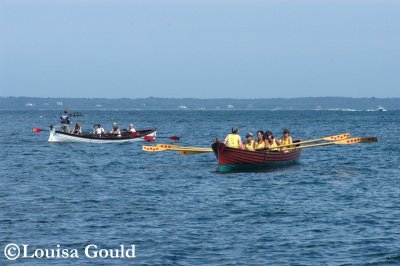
x=311 y=146
x=338 y=142
x=329 y=138
x=304 y=142
x=184 y=153
x=182 y=150
x=178 y=148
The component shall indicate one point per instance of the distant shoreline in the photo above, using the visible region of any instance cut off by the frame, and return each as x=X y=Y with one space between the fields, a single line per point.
x=154 y=103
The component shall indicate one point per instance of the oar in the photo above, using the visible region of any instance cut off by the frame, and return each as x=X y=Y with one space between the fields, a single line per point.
x=338 y=142
x=182 y=148
x=181 y=152
x=151 y=138
x=37 y=130
x=184 y=153
x=329 y=138
x=152 y=148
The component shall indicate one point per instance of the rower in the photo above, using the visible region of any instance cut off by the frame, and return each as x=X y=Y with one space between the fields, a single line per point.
x=78 y=129
x=272 y=145
x=98 y=130
x=233 y=140
x=115 y=130
x=131 y=129
x=260 y=143
x=249 y=143
x=286 y=139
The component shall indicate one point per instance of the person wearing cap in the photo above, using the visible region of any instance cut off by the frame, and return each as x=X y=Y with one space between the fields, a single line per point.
x=249 y=143
x=286 y=138
x=260 y=143
x=65 y=121
x=78 y=129
x=271 y=142
x=115 y=130
x=233 y=140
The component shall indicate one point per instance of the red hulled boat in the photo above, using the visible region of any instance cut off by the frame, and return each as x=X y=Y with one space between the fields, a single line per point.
x=230 y=159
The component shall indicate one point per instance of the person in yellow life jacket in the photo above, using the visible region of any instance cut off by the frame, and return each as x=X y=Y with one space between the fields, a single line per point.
x=286 y=139
x=249 y=143
x=234 y=140
x=272 y=145
x=260 y=143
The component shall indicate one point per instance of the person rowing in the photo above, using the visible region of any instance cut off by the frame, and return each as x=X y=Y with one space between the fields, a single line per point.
x=249 y=143
x=98 y=130
x=286 y=139
x=260 y=143
x=233 y=140
x=272 y=145
x=77 y=130
x=131 y=129
x=115 y=130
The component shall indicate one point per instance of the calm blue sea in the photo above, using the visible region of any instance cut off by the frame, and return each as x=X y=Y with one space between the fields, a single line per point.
x=339 y=206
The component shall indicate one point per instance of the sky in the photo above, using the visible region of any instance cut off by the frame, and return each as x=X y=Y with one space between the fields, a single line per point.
x=199 y=49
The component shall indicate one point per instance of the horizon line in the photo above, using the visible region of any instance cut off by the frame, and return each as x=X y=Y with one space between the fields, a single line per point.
x=193 y=98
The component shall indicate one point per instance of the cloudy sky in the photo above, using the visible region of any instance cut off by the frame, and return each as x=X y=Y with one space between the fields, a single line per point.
x=201 y=49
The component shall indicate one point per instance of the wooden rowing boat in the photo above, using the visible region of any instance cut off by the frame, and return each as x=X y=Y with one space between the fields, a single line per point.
x=230 y=159
x=139 y=135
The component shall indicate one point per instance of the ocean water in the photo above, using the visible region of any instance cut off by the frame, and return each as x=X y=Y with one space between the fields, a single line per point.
x=339 y=206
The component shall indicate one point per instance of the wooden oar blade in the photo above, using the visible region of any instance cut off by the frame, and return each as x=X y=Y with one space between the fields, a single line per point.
x=167 y=146
x=356 y=140
x=338 y=137
x=36 y=130
x=174 y=137
x=151 y=138
x=152 y=148
x=179 y=148
x=182 y=148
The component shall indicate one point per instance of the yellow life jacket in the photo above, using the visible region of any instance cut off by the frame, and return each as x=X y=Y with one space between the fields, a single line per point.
x=286 y=141
x=232 y=141
x=260 y=146
x=273 y=146
x=250 y=146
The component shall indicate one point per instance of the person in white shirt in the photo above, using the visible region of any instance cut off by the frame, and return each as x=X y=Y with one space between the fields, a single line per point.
x=131 y=129
x=98 y=130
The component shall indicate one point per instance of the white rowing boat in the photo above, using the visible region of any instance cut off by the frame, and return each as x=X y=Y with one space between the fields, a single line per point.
x=140 y=135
